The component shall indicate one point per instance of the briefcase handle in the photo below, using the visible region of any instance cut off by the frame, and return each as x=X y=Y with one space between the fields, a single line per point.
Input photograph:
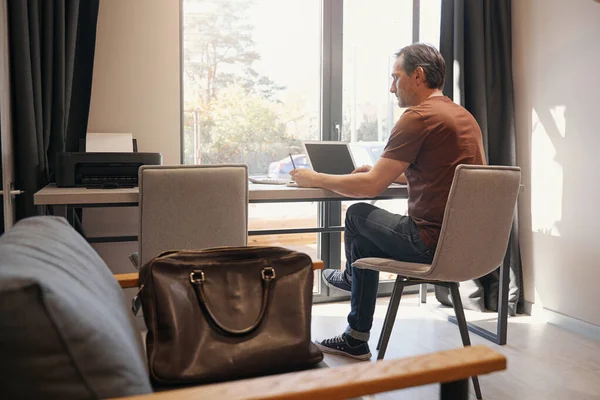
x=197 y=280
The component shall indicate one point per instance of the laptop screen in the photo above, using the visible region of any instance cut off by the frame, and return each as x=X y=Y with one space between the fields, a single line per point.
x=330 y=157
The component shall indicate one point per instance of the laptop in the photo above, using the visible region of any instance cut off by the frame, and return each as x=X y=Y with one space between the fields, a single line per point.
x=336 y=158
x=333 y=158
x=327 y=157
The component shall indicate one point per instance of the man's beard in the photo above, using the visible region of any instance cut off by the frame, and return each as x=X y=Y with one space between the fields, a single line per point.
x=401 y=103
x=404 y=102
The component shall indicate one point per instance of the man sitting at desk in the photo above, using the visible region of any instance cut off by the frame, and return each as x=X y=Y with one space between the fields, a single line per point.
x=433 y=136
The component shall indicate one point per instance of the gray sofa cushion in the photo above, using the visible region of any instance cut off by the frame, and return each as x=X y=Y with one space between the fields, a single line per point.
x=65 y=329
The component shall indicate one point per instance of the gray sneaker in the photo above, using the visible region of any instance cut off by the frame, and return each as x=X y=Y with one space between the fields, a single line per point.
x=339 y=345
x=337 y=279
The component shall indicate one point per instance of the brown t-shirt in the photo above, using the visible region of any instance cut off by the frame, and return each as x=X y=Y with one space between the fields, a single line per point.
x=434 y=137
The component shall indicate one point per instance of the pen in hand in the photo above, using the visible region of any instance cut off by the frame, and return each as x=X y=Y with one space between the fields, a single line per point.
x=293 y=165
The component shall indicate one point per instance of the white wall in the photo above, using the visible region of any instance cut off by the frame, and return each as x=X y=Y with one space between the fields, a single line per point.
x=136 y=89
x=136 y=84
x=556 y=64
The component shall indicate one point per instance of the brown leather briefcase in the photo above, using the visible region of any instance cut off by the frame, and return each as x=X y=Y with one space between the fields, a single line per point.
x=227 y=313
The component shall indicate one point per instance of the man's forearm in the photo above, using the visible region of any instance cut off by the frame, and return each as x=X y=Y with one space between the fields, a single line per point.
x=355 y=185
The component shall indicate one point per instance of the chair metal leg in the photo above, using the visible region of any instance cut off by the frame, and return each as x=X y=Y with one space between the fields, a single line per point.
x=390 y=318
x=504 y=284
x=423 y=293
x=387 y=315
x=462 y=326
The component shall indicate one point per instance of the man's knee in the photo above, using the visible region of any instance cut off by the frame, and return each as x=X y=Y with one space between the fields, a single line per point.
x=359 y=210
x=356 y=214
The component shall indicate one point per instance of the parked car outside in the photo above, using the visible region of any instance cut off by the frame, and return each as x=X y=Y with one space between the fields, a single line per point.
x=366 y=153
x=281 y=169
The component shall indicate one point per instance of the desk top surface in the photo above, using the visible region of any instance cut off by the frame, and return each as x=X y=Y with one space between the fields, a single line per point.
x=52 y=195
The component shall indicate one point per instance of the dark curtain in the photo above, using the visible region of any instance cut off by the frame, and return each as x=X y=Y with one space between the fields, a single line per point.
x=51 y=44
x=476 y=44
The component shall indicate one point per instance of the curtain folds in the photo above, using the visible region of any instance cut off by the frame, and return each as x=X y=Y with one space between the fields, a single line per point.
x=51 y=46
x=476 y=43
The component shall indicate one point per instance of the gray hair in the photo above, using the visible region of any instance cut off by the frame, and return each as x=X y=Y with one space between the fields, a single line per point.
x=427 y=57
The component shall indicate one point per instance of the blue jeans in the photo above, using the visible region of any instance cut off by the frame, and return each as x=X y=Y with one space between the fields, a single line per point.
x=372 y=232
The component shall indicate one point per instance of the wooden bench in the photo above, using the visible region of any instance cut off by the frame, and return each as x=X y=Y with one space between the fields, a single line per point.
x=451 y=368
x=130 y=280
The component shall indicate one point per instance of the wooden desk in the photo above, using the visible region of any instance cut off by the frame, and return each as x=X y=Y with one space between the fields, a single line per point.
x=65 y=200
x=82 y=197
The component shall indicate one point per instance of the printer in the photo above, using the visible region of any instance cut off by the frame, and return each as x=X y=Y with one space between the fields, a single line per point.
x=102 y=170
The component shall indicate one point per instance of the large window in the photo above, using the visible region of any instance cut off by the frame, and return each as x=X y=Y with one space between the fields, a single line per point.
x=261 y=76
x=251 y=81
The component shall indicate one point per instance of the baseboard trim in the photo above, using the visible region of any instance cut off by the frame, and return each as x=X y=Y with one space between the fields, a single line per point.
x=574 y=325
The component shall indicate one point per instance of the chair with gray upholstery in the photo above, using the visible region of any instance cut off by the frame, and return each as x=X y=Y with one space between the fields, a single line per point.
x=473 y=241
x=192 y=207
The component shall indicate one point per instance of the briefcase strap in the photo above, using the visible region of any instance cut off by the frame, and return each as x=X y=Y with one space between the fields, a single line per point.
x=197 y=280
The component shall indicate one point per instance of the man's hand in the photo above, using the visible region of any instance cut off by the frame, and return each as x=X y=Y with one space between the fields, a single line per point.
x=362 y=168
x=304 y=177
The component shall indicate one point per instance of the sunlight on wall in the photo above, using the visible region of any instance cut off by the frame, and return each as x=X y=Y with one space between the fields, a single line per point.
x=558 y=114
x=546 y=175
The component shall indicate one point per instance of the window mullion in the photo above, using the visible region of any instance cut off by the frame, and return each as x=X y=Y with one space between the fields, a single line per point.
x=331 y=117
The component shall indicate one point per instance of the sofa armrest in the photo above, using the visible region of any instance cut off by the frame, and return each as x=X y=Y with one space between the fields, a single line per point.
x=353 y=380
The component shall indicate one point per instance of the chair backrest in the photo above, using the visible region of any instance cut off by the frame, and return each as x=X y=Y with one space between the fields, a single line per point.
x=477 y=222
x=192 y=207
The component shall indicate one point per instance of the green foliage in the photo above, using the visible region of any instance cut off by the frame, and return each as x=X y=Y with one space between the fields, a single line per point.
x=237 y=118
x=367 y=131
x=219 y=51
x=247 y=128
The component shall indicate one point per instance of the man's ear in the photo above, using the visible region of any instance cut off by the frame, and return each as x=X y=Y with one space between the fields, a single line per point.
x=420 y=74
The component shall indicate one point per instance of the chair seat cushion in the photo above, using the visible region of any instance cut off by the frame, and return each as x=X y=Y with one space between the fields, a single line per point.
x=407 y=269
x=65 y=328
